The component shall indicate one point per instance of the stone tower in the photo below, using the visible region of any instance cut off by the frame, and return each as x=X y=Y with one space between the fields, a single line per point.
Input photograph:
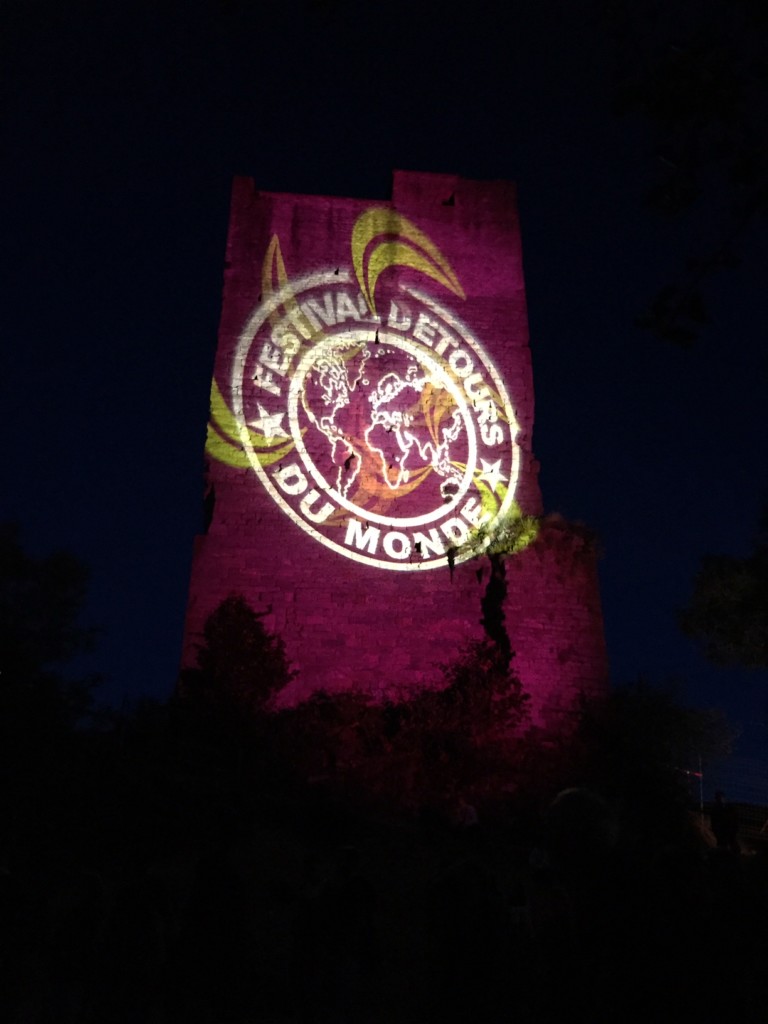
x=370 y=442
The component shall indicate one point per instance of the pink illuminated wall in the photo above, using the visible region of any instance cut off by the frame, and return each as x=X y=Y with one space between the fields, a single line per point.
x=370 y=436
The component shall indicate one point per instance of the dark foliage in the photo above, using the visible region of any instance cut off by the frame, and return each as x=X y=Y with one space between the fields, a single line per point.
x=416 y=751
x=40 y=635
x=212 y=859
x=493 y=610
x=639 y=745
x=461 y=736
x=40 y=605
x=697 y=74
x=408 y=752
x=240 y=665
x=728 y=610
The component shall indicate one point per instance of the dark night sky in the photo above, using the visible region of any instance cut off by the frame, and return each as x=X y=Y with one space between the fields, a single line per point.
x=123 y=124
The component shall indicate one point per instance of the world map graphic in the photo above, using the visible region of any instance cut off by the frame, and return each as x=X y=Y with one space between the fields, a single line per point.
x=391 y=421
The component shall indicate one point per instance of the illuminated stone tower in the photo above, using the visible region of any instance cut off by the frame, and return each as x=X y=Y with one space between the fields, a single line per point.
x=370 y=435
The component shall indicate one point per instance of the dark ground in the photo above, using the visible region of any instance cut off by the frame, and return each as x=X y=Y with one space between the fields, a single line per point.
x=296 y=907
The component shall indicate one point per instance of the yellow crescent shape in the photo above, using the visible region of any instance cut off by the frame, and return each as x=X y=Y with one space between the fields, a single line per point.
x=232 y=455
x=221 y=415
x=274 y=269
x=223 y=451
x=392 y=254
x=409 y=239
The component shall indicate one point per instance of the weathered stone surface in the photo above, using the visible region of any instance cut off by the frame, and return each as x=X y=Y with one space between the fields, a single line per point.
x=346 y=623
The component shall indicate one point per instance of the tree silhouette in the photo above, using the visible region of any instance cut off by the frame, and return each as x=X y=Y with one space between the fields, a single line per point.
x=240 y=665
x=728 y=610
x=41 y=600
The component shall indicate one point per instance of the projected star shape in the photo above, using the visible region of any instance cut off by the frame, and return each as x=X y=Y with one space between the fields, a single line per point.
x=269 y=425
x=492 y=474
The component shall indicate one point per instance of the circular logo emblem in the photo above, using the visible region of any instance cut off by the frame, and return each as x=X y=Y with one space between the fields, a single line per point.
x=389 y=438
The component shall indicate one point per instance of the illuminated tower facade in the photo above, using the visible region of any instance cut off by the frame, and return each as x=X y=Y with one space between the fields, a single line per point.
x=370 y=442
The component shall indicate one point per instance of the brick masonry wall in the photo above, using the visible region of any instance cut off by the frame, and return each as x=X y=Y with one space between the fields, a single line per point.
x=352 y=625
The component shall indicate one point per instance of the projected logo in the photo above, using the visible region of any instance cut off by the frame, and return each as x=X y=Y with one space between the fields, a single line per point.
x=367 y=408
